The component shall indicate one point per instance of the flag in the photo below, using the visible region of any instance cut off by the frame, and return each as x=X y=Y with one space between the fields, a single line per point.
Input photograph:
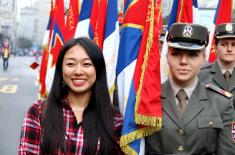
x=223 y=14
x=111 y=43
x=34 y=65
x=82 y=29
x=56 y=42
x=45 y=54
x=72 y=19
x=138 y=75
x=158 y=12
x=181 y=11
x=99 y=21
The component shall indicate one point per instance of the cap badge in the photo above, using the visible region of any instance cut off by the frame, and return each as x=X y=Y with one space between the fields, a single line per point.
x=188 y=31
x=229 y=27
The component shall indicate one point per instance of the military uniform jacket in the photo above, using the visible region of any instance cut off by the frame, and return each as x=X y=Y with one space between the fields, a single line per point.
x=205 y=127
x=211 y=73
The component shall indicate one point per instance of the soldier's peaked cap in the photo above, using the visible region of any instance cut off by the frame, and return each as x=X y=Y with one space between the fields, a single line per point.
x=188 y=36
x=226 y=30
x=163 y=33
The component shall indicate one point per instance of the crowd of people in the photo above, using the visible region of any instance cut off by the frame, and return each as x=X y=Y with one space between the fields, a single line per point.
x=197 y=101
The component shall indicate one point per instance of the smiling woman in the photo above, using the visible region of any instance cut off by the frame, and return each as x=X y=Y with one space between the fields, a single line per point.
x=78 y=117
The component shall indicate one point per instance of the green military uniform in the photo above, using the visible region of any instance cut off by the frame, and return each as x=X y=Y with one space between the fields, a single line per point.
x=211 y=73
x=207 y=125
x=204 y=128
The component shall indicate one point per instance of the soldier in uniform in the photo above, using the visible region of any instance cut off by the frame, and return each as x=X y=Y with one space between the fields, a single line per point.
x=162 y=37
x=197 y=119
x=221 y=72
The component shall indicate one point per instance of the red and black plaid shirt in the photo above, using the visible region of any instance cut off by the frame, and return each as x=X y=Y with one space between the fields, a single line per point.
x=31 y=131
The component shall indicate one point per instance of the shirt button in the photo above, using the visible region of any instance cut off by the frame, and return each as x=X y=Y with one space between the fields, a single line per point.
x=180 y=148
x=181 y=131
x=211 y=124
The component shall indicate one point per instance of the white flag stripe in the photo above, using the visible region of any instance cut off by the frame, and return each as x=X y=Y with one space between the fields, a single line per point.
x=82 y=29
x=124 y=81
x=110 y=52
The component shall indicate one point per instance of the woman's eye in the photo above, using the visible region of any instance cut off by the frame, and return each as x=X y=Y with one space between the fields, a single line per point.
x=87 y=64
x=70 y=64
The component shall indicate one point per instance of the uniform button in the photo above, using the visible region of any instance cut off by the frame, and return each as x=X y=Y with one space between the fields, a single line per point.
x=211 y=124
x=181 y=131
x=180 y=148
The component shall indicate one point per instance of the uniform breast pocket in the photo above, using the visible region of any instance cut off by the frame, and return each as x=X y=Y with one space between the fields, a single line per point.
x=208 y=128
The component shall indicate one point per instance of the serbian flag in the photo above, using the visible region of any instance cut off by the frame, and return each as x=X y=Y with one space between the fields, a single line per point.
x=99 y=21
x=182 y=11
x=72 y=19
x=104 y=30
x=56 y=42
x=223 y=14
x=45 y=55
x=82 y=28
x=138 y=75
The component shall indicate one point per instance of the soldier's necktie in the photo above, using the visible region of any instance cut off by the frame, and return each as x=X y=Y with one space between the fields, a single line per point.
x=227 y=76
x=182 y=96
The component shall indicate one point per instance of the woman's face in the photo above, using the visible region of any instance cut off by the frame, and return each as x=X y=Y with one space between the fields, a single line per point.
x=78 y=71
x=184 y=65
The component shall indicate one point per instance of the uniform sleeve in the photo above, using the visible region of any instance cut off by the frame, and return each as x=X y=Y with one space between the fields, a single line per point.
x=30 y=132
x=226 y=143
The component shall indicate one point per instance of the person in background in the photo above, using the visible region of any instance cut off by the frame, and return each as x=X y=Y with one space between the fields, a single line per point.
x=77 y=117
x=162 y=37
x=5 y=54
x=221 y=72
x=197 y=118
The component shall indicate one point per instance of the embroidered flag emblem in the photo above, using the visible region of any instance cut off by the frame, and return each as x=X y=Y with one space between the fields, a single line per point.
x=233 y=131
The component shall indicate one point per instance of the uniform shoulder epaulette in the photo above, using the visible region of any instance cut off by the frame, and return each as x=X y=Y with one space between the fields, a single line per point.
x=219 y=90
x=206 y=65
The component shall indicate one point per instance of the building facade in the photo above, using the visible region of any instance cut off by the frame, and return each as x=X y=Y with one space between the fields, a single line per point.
x=33 y=21
x=8 y=20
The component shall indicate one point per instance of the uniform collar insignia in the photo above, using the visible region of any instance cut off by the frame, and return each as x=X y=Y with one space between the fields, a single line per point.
x=188 y=31
x=233 y=131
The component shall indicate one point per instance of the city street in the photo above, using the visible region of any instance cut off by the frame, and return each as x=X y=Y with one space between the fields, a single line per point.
x=18 y=91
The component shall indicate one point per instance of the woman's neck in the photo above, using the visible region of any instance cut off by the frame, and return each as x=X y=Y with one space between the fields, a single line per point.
x=79 y=101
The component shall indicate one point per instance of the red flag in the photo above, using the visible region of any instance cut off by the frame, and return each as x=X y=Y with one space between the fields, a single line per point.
x=34 y=65
x=185 y=12
x=223 y=15
x=158 y=17
x=72 y=19
x=58 y=31
x=45 y=55
x=147 y=74
x=98 y=20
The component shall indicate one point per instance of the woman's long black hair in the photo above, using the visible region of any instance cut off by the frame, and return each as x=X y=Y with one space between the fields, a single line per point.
x=98 y=116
